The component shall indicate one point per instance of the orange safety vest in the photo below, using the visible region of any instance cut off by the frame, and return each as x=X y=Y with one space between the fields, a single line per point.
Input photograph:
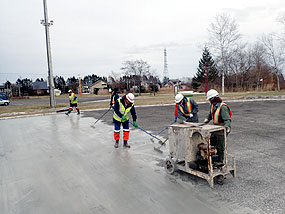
x=189 y=108
x=215 y=116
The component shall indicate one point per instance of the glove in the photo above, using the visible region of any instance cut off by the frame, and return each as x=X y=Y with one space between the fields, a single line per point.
x=111 y=106
x=124 y=119
x=206 y=121
x=135 y=124
x=228 y=129
x=191 y=115
x=175 y=119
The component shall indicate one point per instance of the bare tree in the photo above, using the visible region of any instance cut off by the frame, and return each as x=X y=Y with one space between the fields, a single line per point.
x=258 y=59
x=223 y=35
x=137 y=68
x=275 y=53
x=239 y=64
x=281 y=19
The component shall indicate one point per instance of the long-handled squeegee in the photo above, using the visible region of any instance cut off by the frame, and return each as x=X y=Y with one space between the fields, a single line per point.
x=160 y=141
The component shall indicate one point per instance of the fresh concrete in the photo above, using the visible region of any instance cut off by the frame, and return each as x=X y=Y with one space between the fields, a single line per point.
x=59 y=164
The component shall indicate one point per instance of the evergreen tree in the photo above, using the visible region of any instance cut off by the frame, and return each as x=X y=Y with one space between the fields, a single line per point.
x=211 y=65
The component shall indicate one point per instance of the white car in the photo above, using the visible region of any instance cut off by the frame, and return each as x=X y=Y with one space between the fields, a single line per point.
x=4 y=102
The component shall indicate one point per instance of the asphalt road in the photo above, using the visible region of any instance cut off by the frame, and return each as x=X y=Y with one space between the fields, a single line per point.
x=59 y=164
x=34 y=101
x=257 y=142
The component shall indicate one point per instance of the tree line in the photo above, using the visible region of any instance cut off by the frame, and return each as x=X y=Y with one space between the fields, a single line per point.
x=238 y=65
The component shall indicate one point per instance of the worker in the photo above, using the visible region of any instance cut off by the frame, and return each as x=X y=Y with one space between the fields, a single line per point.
x=114 y=96
x=221 y=114
x=186 y=108
x=123 y=106
x=72 y=102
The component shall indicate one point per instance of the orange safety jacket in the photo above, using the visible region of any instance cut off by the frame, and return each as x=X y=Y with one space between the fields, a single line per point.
x=215 y=115
x=188 y=106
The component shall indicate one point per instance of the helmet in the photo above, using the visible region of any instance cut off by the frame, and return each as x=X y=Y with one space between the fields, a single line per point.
x=69 y=91
x=212 y=93
x=110 y=90
x=178 y=98
x=130 y=97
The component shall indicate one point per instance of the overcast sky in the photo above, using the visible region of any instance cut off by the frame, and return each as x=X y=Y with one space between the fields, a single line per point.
x=96 y=37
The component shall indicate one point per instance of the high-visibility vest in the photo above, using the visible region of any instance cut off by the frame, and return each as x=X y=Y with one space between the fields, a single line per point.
x=73 y=98
x=216 y=114
x=124 y=111
x=188 y=106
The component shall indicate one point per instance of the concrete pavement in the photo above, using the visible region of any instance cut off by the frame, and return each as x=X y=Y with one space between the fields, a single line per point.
x=59 y=164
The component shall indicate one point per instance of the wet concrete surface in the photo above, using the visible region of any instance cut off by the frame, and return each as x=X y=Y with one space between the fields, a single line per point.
x=59 y=164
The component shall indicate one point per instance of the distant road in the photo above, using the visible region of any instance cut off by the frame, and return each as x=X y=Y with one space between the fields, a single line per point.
x=46 y=100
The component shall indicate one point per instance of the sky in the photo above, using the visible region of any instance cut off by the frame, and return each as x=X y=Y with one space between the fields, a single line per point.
x=96 y=37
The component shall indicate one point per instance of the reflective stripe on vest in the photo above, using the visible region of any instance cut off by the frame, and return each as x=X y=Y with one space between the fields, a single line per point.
x=216 y=115
x=72 y=98
x=189 y=108
x=125 y=112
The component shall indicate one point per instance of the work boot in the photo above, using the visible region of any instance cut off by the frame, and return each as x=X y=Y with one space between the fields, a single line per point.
x=78 y=112
x=116 y=144
x=126 y=144
x=67 y=113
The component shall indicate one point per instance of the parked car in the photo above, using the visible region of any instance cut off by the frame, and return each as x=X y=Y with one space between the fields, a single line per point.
x=4 y=99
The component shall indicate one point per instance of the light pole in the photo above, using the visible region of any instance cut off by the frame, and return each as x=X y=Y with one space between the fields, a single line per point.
x=47 y=24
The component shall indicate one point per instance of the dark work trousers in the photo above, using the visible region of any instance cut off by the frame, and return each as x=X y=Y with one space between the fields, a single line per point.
x=218 y=140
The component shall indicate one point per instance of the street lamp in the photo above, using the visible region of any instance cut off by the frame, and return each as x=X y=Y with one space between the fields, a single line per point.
x=47 y=24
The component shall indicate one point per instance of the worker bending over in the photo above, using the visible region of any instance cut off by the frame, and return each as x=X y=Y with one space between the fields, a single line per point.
x=186 y=108
x=123 y=106
x=72 y=102
x=221 y=114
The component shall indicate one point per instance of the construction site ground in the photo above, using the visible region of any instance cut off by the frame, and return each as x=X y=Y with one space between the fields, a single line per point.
x=59 y=164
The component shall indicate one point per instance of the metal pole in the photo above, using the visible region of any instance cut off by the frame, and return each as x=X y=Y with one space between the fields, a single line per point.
x=47 y=24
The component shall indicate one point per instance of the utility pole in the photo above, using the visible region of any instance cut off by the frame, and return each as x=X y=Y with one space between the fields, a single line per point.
x=80 y=86
x=47 y=24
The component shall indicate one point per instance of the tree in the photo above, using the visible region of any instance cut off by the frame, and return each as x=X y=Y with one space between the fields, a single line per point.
x=223 y=35
x=72 y=83
x=206 y=61
x=275 y=55
x=137 y=69
x=59 y=83
x=25 y=86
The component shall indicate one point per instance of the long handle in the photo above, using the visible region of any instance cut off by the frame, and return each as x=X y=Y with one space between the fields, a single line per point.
x=102 y=116
x=146 y=132
x=165 y=128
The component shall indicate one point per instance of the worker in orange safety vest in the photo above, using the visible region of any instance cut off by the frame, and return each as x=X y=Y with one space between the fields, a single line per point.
x=221 y=114
x=186 y=109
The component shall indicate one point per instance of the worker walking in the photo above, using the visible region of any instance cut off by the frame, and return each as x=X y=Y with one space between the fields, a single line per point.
x=72 y=102
x=114 y=96
x=221 y=114
x=123 y=106
x=186 y=108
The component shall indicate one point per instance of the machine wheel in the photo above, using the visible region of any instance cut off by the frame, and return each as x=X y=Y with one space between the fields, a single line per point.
x=170 y=166
x=220 y=179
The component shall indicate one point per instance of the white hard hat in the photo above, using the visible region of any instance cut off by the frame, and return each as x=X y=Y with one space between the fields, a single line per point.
x=130 y=97
x=110 y=90
x=178 y=98
x=212 y=93
x=69 y=90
